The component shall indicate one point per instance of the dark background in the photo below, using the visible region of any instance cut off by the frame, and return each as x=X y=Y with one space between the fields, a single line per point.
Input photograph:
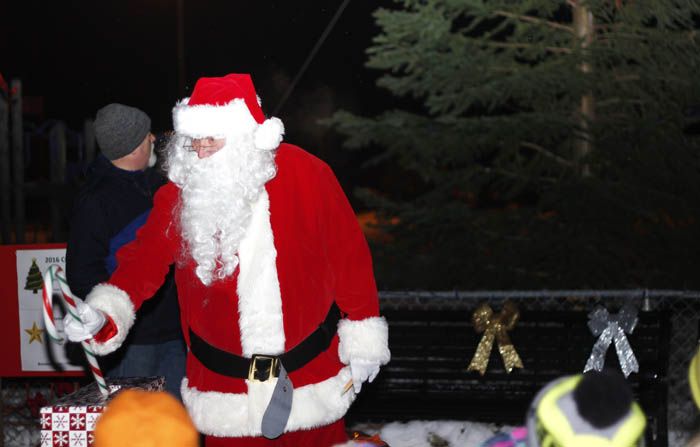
x=73 y=57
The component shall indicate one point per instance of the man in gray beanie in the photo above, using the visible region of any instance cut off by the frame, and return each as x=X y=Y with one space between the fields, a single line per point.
x=120 y=132
x=111 y=207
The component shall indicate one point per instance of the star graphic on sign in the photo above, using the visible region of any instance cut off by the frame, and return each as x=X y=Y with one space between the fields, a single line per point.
x=35 y=333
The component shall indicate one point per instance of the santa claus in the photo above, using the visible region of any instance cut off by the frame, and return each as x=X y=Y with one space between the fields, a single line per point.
x=277 y=295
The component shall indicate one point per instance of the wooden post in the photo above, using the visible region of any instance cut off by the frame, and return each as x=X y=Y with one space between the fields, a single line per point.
x=5 y=181
x=89 y=135
x=58 y=178
x=583 y=144
x=18 y=158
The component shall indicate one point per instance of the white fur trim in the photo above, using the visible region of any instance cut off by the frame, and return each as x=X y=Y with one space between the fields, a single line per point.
x=236 y=415
x=116 y=303
x=366 y=339
x=269 y=134
x=201 y=121
x=259 y=296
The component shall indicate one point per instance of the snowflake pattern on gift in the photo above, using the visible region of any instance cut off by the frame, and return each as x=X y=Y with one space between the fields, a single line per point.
x=91 y=421
x=70 y=422
x=60 y=438
x=60 y=421
x=45 y=421
x=77 y=421
x=78 y=439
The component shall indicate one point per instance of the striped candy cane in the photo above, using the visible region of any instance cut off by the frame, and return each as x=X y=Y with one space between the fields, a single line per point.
x=55 y=273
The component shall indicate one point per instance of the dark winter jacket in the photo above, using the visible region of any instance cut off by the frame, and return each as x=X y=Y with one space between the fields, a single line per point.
x=108 y=210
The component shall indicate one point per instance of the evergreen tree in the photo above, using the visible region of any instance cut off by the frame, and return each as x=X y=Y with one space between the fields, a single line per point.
x=546 y=142
x=34 y=281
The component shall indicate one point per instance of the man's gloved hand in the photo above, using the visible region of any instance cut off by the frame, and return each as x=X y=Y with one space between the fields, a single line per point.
x=92 y=319
x=363 y=370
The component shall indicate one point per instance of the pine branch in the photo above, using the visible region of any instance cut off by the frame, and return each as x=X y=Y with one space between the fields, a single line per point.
x=604 y=26
x=617 y=100
x=515 y=175
x=526 y=45
x=547 y=153
x=531 y=19
x=627 y=78
x=653 y=191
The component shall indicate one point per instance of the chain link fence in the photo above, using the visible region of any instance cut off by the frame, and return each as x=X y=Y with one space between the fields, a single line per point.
x=21 y=398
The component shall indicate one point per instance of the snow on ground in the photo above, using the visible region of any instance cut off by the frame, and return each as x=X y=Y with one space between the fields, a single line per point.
x=433 y=433
x=455 y=433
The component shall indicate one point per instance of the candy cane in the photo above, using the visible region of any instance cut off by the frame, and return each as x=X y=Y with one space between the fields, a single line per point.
x=56 y=273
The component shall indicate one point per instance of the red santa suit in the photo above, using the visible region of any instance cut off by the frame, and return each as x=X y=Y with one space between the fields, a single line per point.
x=303 y=250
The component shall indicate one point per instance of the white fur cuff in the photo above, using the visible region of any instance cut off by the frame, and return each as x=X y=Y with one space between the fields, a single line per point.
x=366 y=339
x=117 y=304
x=269 y=134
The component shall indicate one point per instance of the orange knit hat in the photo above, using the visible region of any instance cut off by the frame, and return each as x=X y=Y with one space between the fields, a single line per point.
x=137 y=418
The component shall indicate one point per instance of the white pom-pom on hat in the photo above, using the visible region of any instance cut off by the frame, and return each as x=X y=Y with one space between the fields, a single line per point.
x=269 y=134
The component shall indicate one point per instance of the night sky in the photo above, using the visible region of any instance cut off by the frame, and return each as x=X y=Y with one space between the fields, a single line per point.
x=80 y=55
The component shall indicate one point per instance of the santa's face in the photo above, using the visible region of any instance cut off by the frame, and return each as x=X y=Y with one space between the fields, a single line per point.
x=219 y=180
x=206 y=147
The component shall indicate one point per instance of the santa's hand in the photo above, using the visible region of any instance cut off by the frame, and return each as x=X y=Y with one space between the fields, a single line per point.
x=363 y=370
x=92 y=322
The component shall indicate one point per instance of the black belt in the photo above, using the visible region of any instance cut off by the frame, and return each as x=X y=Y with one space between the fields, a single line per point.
x=260 y=368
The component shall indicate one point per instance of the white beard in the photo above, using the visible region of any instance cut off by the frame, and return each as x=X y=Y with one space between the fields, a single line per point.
x=216 y=197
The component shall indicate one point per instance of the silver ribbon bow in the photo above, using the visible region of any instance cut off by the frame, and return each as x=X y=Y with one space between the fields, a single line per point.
x=607 y=328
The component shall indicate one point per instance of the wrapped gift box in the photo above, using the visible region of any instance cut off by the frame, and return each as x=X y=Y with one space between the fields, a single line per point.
x=70 y=420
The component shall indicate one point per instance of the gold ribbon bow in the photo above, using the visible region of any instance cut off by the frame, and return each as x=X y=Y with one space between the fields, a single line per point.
x=495 y=327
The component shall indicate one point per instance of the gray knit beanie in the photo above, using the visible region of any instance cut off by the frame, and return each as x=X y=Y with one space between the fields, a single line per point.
x=120 y=129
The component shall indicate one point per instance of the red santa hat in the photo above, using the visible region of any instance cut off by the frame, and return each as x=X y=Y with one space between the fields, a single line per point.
x=226 y=105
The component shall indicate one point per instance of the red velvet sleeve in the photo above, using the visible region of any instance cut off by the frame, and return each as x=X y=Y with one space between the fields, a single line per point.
x=348 y=253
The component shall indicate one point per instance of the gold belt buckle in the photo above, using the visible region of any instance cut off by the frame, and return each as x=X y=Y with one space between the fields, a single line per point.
x=267 y=363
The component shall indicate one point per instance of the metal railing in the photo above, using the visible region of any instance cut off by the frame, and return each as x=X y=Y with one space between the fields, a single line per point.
x=684 y=307
x=47 y=178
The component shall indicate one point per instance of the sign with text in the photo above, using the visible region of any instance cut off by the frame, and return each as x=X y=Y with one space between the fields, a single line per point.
x=38 y=352
x=28 y=350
